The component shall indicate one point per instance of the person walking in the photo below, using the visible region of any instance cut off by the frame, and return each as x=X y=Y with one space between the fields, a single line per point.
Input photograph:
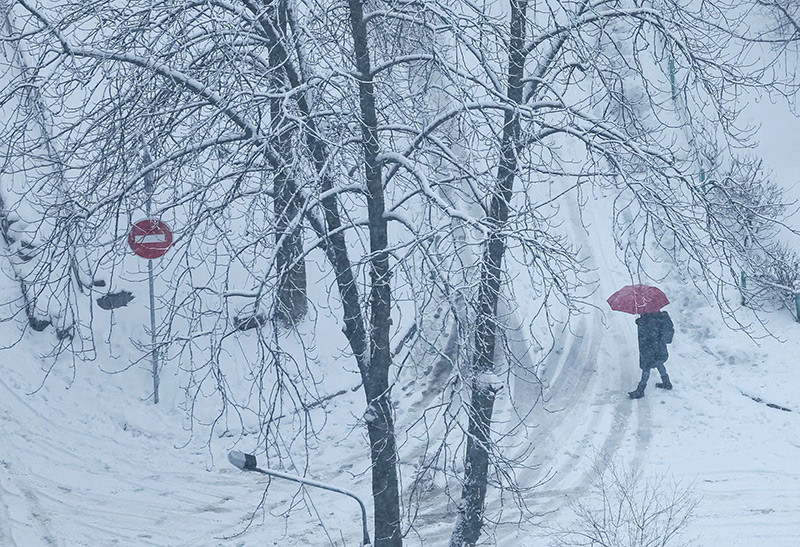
x=655 y=331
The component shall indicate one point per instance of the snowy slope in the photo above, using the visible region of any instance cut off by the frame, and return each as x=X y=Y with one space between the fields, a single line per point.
x=739 y=457
x=89 y=461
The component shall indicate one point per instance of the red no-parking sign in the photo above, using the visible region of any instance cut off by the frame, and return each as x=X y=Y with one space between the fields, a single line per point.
x=150 y=238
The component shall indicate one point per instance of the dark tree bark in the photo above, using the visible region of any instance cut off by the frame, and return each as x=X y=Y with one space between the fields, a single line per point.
x=380 y=422
x=371 y=349
x=291 y=304
x=476 y=464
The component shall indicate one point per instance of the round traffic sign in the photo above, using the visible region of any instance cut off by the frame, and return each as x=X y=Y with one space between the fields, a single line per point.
x=150 y=238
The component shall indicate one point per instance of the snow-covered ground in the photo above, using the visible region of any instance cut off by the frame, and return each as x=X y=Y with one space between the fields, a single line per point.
x=88 y=461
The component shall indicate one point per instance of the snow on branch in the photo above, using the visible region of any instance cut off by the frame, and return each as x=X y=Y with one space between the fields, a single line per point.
x=393 y=157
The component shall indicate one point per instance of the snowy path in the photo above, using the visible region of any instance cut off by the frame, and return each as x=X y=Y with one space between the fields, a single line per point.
x=25 y=521
x=75 y=478
x=586 y=412
x=92 y=465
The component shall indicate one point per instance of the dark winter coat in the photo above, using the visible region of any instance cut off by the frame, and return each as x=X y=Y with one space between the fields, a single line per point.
x=655 y=332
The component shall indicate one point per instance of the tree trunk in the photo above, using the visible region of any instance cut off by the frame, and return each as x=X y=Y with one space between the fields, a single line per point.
x=476 y=461
x=380 y=424
x=291 y=303
x=370 y=349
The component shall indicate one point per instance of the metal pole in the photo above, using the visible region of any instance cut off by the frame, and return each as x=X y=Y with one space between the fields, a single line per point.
x=247 y=462
x=149 y=188
x=154 y=354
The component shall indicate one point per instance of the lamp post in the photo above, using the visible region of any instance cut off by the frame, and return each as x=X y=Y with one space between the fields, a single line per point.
x=248 y=462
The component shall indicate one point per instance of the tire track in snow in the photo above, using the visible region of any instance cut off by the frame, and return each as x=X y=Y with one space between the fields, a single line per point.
x=5 y=515
x=64 y=485
x=606 y=364
x=6 y=537
x=625 y=349
x=600 y=407
x=584 y=386
x=25 y=519
x=560 y=415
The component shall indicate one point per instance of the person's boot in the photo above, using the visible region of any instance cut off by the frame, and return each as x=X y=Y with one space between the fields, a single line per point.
x=664 y=383
x=637 y=393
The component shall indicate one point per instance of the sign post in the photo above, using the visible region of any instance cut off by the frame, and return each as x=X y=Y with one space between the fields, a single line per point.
x=154 y=354
x=150 y=238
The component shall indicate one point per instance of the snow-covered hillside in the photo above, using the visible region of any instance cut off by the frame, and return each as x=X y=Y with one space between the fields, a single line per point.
x=619 y=129
x=88 y=461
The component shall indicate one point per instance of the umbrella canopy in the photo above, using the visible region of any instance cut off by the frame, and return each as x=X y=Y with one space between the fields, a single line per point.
x=638 y=299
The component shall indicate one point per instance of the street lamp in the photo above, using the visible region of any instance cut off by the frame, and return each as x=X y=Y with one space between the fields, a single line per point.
x=248 y=462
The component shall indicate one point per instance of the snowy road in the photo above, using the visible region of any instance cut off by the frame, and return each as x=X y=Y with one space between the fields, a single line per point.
x=72 y=474
x=64 y=483
x=586 y=413
x=92 y=465
x=576 y=409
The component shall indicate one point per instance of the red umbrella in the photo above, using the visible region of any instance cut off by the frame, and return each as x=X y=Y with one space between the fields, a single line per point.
x=638 y=299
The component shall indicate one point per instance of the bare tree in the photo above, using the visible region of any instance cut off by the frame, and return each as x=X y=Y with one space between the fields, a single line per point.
x=427 y=150
x=625 y=508
x=625 y=97
x=220 y=94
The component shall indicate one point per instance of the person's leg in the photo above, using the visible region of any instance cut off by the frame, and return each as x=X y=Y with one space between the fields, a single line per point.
x=638 y=393
x=664 y=383
x=644 y=379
